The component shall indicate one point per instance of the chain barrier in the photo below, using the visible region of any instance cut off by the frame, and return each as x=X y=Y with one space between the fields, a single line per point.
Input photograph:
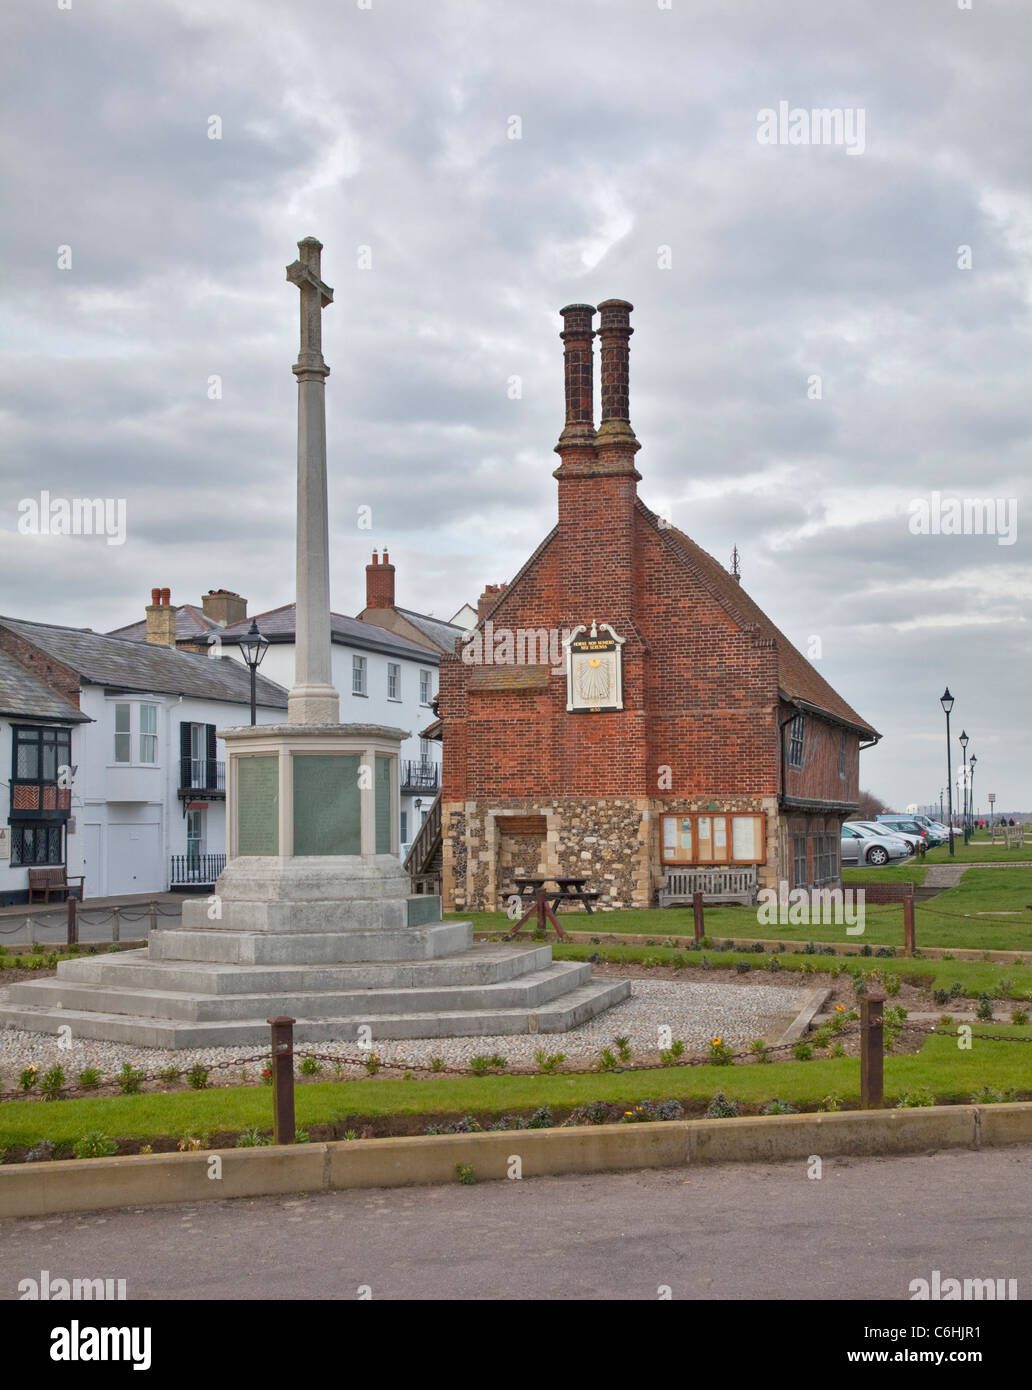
x=401 y=1064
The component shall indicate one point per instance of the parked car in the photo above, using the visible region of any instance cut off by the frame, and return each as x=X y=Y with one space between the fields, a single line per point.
x=916 y=835
x=936 y=834
x=863 y=845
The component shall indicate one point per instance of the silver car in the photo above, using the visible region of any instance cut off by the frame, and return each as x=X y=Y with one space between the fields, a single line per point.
x=863 y=845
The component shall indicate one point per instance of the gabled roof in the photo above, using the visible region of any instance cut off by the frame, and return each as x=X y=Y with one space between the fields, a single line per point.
x=441 y=633
x=191 y=622
x=124 y=664
x=280 y=625
x=24 y=696
x=797 y=679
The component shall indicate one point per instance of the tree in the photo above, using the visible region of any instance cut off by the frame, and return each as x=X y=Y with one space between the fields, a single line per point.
x=871 y=806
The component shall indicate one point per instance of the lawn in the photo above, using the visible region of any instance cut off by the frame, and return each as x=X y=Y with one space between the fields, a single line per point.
x=940 y=921
x=978 y=851
x=940 y=1068
x=1001 y=979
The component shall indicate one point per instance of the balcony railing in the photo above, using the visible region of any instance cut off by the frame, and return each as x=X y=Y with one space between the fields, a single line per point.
x=198 y=869
x=202 y=775
x=419 y=775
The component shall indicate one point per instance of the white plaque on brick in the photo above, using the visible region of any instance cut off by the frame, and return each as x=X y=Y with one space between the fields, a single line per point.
x=594 y=669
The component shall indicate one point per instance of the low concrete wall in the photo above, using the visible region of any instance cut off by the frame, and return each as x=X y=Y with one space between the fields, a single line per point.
x=41 y=1189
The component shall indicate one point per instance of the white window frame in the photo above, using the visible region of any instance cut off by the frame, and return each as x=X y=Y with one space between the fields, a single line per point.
x=358 y=675
x=147 y=734
x=394 y=680
x=426 y=686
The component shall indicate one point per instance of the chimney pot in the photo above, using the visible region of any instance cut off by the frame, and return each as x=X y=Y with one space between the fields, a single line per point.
x=166 y=597
x=155 y=596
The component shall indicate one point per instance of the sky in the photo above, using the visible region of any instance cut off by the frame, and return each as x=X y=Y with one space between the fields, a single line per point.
x=831 y=340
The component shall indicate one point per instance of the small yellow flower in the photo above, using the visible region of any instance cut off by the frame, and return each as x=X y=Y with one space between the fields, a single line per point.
x=715 y=1042
x=627 y=1112
x=840 y=1008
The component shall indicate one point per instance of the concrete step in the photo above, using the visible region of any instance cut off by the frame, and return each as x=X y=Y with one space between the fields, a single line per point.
x=482 y=964
x=529 y=991
x=230 y=947
x=558 y=1016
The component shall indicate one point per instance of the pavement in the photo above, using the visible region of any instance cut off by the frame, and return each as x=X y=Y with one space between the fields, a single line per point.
x=864 y=1229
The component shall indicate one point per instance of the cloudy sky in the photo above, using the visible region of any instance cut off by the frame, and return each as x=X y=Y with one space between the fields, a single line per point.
x=895 y=269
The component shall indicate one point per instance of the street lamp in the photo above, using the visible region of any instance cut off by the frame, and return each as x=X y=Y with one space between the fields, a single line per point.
x=971 y=798
x=963 y=741
x=946 y=700
x=253 y=648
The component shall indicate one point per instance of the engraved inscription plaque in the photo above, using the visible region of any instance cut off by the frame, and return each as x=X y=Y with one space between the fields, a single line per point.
x=257 y=805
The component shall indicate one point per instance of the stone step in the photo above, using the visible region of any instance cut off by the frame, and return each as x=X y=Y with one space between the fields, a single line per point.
x=221 y=945
x=482 y=964
x=558 y=1016
x=526 y=991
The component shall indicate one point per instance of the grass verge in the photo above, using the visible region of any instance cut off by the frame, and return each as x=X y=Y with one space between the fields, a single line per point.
x=949 y=1074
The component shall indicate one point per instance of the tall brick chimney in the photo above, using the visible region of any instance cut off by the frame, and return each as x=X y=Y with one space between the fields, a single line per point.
x=161 y=619
x=224 y=607
x=597 y=476
x=379 y=582
x=577 y=441
x=616 y=443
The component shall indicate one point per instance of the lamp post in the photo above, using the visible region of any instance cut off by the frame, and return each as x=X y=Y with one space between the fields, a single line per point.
x=963 y=741
x=971 y=796
x=253 y=648
x=941 y=813
x=946 y=700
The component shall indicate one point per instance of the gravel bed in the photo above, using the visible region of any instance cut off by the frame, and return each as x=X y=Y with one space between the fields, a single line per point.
x=694 y=1013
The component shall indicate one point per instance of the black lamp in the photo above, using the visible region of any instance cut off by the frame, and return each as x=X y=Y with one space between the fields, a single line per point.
x=253 y=648
x=946 y=700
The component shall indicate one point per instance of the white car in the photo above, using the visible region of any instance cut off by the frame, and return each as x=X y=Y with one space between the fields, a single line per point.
x=863 y=845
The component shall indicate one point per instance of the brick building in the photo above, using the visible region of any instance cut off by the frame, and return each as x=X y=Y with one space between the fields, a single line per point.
x=623 y=710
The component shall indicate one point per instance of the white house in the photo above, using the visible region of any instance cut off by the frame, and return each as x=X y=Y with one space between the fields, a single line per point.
x=113 y=767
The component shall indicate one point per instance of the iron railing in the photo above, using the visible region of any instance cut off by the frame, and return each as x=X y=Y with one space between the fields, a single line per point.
x=419 y=775
x=195 y=868
x=201 y=775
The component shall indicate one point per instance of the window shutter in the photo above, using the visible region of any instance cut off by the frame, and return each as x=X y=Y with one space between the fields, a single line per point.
x=210 y=730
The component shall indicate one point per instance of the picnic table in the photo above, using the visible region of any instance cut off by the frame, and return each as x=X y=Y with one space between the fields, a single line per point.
x=569 y=888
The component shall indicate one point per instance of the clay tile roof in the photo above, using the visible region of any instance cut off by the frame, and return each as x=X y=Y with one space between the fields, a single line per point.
x=796 y=677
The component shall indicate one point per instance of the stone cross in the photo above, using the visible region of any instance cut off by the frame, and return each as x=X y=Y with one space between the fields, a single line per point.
x=312 y=699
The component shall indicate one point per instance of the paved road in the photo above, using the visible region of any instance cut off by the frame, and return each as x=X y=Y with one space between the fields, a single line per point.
x=864 y=1230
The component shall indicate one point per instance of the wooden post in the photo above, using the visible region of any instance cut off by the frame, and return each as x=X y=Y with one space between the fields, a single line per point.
x=73 y=926
x=116 y=924
x=283 y=1127
x=908 y=919
x=153 y=923
x=872 y=1052
x=697 y=917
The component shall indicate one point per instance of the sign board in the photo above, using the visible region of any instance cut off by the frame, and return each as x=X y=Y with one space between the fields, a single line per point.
x=5 y=842
x=594 y=669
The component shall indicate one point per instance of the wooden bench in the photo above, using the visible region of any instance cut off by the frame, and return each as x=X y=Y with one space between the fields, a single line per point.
x=737 y=885
x=56 y=880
